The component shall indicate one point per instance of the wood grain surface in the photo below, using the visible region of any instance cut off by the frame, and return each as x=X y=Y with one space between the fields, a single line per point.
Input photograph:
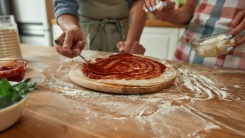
x=202 y=102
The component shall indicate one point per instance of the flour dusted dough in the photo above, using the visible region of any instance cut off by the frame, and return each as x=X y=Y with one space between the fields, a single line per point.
x=214 y=46
x=169 y=74
x=165 y=80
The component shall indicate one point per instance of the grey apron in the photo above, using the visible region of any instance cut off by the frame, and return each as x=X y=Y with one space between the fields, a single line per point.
x=104 y=23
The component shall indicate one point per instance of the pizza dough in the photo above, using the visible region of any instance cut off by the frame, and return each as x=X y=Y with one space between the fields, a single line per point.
x=124 y=66
x=214 y=46
x=134 y=85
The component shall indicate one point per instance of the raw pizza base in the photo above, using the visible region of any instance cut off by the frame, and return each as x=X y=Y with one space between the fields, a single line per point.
x=124 y=86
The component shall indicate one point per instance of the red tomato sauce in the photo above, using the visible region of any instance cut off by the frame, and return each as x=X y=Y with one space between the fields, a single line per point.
x=123 y=66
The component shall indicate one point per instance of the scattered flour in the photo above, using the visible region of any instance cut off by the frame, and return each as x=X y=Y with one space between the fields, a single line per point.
x=201 y=85
x=237 y=86
x=149 y=111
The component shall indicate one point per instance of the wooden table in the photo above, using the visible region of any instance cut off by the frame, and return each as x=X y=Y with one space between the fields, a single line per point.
x=205 y=102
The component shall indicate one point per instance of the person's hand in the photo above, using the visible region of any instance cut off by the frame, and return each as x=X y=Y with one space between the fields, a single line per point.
x=130 y=47
x=238 y=23
x=73 y=41
x=167 y=13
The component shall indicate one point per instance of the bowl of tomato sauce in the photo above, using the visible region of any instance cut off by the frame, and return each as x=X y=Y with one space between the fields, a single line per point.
x=12 y=69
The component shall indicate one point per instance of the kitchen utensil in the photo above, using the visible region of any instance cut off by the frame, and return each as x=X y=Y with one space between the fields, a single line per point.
x=92 y=67
x=58 y=42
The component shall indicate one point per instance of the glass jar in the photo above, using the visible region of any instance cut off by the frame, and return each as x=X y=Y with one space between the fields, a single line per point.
x=9 y=38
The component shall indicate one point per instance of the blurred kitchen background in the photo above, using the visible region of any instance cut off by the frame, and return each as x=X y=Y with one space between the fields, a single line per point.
x=37 y=26
x=33 y=18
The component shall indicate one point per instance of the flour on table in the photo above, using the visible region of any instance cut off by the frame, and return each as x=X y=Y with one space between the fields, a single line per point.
x=237 y=86
x=147 y=112
x=202 y=87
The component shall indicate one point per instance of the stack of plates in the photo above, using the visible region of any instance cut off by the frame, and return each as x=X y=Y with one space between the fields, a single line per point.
x=9 y=43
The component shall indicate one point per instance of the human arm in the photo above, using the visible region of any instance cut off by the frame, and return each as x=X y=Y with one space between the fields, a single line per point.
x=137 y=22
x=67 y=17
x=180 y=16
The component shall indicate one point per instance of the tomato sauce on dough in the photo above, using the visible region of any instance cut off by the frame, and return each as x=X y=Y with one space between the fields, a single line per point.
x=124 y=66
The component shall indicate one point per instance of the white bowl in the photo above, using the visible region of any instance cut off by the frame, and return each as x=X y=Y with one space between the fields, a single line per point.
x=10 y=114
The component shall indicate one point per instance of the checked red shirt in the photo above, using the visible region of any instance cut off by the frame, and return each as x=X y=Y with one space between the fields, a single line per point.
x=210 y=17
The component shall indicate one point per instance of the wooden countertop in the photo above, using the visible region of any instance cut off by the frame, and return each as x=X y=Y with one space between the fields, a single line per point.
x=158 y=23
x=203 y=102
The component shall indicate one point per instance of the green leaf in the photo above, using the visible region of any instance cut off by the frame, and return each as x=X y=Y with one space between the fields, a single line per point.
x=12 y=94
x=5 y=86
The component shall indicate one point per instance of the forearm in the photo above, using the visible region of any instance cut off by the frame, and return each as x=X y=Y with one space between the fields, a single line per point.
x=68 y=22
x=184 y=14
x=66 y=13
x=137 y=21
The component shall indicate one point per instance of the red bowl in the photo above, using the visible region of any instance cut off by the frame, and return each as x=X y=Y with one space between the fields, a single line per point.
x=12 y=69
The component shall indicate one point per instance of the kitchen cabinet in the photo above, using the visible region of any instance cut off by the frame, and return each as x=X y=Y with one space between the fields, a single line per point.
x=161 y=42
x=33 y=18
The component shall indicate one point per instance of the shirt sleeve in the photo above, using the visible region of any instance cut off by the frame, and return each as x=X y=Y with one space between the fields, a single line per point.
x=65 y=7
x=130 y=3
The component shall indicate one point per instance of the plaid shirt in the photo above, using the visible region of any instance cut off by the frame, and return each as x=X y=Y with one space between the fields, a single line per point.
x=212 y=16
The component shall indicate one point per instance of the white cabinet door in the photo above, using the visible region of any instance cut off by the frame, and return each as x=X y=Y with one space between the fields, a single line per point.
x=160 y=42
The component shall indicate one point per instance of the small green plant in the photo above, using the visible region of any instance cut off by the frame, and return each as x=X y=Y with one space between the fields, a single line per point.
x=10 y=94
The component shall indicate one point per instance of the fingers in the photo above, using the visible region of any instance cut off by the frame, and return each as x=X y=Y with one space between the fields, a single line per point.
x=145 y=8
x=131 y=48
x=65 y=45
x=237 y=19
x=59 y=44
x=238 y=29
x=120 y=47
x=161 y=5
x=238 y=23
x=78 y=47
x=137 y=49
x=239 y=41
x=152 y=5
x=61 y=38
x=68 y=42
